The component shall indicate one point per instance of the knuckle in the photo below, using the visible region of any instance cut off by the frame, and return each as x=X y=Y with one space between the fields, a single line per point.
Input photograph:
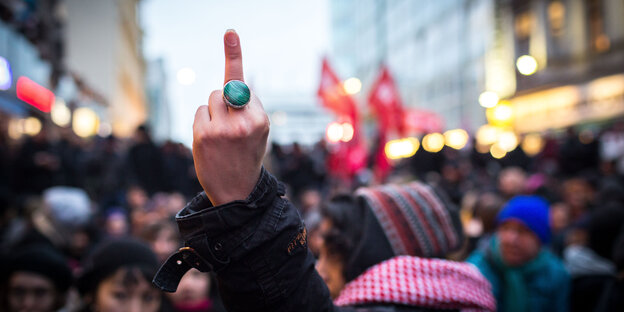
x=215 y=93
x=243 y=130
x=200 y=110
x=234 y=54
x=199 y=134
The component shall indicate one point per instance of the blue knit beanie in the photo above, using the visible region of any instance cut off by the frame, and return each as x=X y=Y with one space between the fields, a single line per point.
x=532 y=211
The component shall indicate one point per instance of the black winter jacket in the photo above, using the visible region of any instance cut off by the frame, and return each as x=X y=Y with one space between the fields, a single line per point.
x=258 y=248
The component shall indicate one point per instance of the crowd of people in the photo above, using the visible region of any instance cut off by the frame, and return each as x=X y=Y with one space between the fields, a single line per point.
x=546 y=231
x=557 y=215
x=85 y=225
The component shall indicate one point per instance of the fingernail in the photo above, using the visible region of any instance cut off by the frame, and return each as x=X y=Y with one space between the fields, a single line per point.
x=230 y=37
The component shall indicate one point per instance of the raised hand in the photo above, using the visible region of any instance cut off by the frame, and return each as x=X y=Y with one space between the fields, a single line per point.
x=229 y=143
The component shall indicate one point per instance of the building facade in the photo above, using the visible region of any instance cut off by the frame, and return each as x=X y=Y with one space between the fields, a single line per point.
x=436 y=50
x=444 y=54
x=32 y=46
x=104 y=41
x=579 y=48
x=159 y=112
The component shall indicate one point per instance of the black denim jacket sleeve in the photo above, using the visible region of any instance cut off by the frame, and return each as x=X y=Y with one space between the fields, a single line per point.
x=257 y=247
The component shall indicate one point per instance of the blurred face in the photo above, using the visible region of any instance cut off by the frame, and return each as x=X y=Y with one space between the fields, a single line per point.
x=518 y=244
x=31 y=292
x=310 y=199
x=511 y=182
x=116 y=225
x=175 y=202
x=193 y=288
x=126 y=291
x=165 y=243
x=559 y=216
x=577 y=194
x=80 y=241
x=136 y=197
x=330 y=266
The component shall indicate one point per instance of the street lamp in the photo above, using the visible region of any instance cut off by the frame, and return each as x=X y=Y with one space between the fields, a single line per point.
x=532 y=144
x=352 y=85
x=508 y=141
x=527 y=65
x=347 y=132
x=497 y=152
x=433 y=142
x=488 y=99
x=32 y=126
x=401 y=148
x=334 y=132
x=487 y=135
x=60 y=113
x=500 y=115
x=85 y=122
x=456 y=138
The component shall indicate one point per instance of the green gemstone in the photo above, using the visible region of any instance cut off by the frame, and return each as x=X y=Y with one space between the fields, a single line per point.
x=236 y=92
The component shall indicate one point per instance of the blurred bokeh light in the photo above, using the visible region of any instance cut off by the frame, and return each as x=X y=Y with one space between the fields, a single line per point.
x=527 y=65
x=433 y=142
x=456 y=138
x=352 y=85
x=60 y=113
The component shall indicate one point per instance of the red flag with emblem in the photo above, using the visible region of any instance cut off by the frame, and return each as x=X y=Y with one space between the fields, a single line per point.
x=385 y=103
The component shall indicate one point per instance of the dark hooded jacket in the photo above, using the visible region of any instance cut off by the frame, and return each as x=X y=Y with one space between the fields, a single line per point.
x=258 y=248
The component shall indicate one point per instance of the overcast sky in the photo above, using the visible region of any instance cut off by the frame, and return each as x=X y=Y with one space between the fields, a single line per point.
x=282 y=43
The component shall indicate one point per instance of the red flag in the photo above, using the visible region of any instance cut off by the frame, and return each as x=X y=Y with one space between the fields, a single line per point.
x=349 y=157
x=333 y=96
x=382 y=165
x=422 y=121
x=385 y=103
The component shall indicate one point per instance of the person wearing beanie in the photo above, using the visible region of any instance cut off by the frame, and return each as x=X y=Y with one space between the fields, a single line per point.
x=36 y=278
x=243 y=228
x=116 y=277
x=390 y=234
x=525 y=276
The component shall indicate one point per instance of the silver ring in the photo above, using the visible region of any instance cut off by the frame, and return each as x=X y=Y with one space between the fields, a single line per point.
x=236 y=94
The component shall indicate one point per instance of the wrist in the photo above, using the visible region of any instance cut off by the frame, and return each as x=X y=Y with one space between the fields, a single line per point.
x=237 y=190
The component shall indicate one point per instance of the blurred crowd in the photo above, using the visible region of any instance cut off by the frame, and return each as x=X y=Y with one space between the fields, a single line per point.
x=77 y=214
x=80 y=220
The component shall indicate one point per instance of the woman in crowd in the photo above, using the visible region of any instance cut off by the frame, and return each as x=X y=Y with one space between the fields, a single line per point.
x=394 y=238
x=116 y=277
x=35 y=278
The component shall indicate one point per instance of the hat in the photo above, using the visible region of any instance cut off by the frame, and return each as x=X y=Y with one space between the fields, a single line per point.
x=69 y=206
x=107 y=258
x=43 y=260
x=532 y=211
x=415 y=219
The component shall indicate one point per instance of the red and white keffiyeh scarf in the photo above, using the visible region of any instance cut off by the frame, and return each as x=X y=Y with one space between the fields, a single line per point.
x=430 y=283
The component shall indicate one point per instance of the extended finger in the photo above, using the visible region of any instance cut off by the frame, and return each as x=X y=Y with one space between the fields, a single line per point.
x=233 y=56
